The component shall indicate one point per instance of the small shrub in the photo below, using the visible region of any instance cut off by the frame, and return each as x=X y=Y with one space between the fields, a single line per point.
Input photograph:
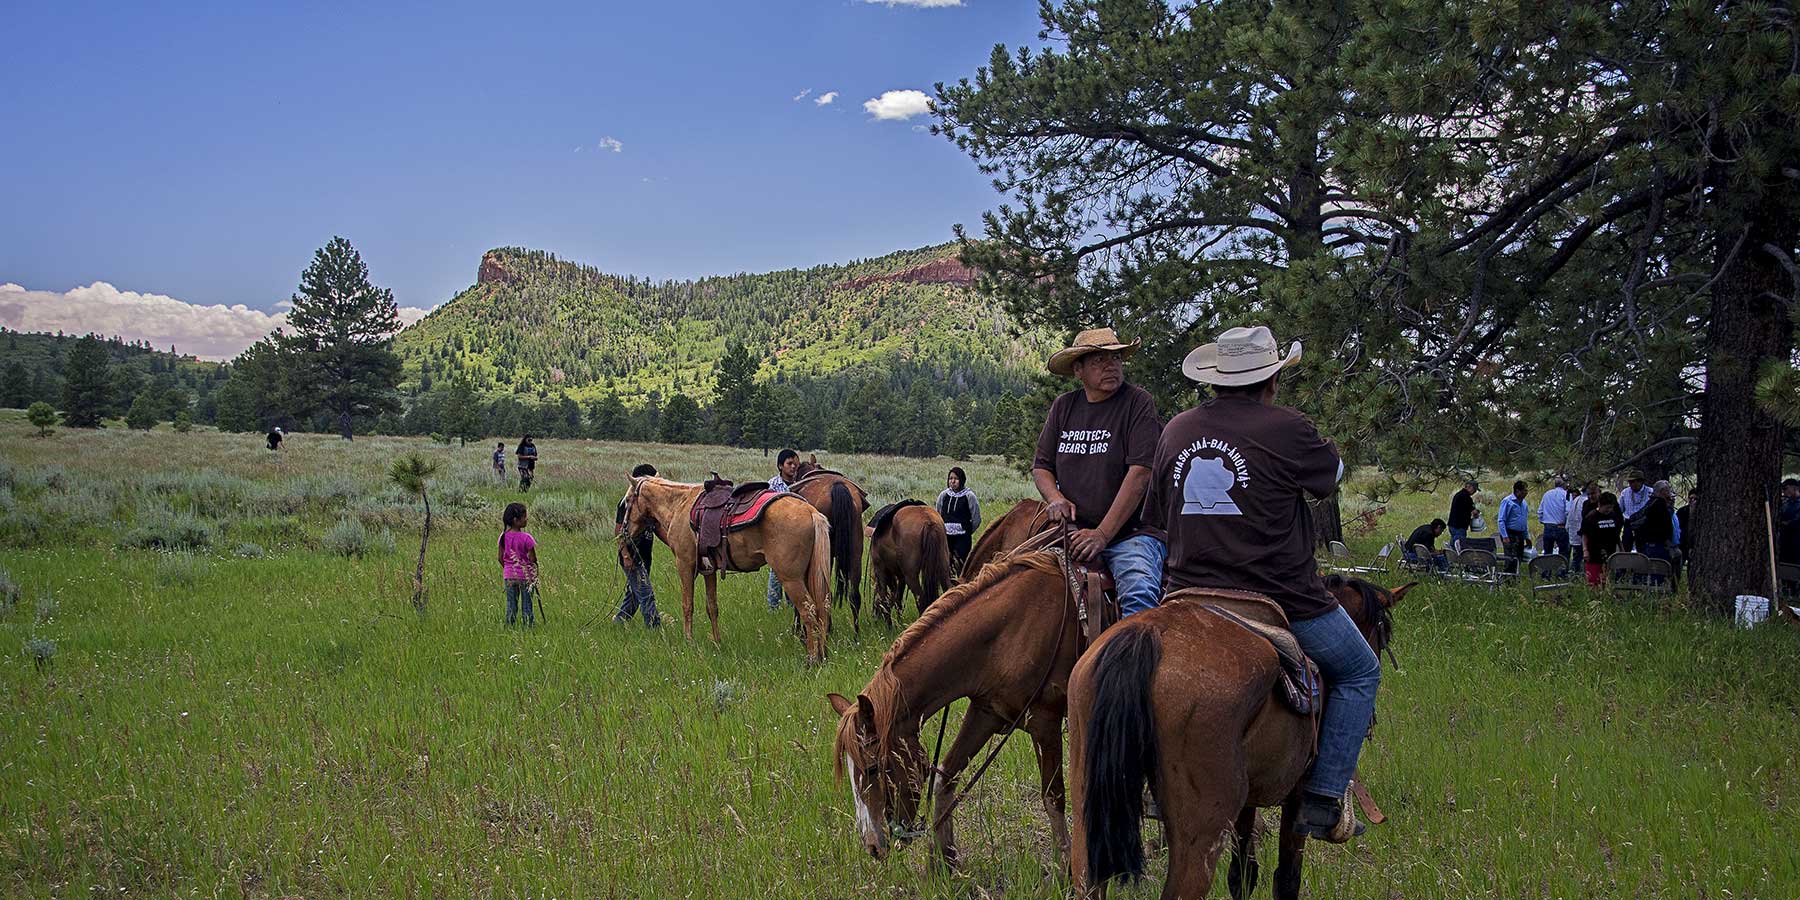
x=179 y=569
x=9 y=594
x=184 y=423
x=248 y=550
x=21 y=528
x=350 y=538
x=41 y=652
x=167 y=530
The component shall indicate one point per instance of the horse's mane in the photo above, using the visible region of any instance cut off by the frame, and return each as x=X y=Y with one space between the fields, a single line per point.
x=962 y=594
x=1370 y=593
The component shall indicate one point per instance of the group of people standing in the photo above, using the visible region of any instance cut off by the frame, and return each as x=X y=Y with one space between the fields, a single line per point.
x=1587 y=525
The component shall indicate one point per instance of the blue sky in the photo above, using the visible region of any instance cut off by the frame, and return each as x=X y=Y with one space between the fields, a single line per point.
x=203 y=152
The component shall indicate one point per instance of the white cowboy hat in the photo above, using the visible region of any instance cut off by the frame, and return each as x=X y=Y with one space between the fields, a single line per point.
x=1093 y=340
x=1241 y=356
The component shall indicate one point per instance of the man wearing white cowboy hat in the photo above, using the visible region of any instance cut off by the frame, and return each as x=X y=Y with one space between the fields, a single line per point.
x=1229 y=487
x=1093 y=462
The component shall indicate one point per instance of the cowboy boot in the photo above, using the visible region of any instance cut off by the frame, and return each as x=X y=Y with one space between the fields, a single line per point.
x=1328 y=819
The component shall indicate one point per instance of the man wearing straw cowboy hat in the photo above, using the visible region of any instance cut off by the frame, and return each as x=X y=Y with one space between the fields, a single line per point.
x=1229 y=487
x=1093 y=461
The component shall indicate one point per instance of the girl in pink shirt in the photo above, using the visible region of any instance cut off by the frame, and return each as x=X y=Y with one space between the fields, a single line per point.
x=518 y=563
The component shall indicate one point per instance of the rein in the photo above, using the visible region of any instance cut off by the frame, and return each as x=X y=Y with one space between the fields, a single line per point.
x=1061 y=551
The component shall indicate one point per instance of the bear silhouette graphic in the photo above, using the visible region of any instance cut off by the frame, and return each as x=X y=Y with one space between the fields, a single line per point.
x=1206 y=491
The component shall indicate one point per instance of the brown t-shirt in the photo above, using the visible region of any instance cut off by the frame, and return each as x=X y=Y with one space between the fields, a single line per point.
x=1089 y=447
x=1229 y=486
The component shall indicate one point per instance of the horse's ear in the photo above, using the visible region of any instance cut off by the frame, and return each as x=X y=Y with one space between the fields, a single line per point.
x=865 y=715
x=838 y=703
x=813 y=458
x=1399 y=592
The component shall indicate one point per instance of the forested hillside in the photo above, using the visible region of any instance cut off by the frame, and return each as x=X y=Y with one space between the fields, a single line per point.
x=32 y=368
x=536 y=325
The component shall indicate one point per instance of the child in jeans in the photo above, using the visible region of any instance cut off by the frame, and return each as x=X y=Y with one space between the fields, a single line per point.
x=518 y=562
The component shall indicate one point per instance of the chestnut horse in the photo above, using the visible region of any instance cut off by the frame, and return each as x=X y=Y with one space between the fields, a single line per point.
x=912 y=552
x=1185 y=700
x=793 y=539
x=1006 y=639
x=1025 y=519
x=843 y=504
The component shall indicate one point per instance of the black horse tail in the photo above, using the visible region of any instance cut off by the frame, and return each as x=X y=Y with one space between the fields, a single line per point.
x=846 y=530
x=934 y=564
x=1120 y=754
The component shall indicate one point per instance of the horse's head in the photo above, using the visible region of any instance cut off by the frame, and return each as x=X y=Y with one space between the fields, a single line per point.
x=884 y=779
x=1370 y=606
x=639 y=517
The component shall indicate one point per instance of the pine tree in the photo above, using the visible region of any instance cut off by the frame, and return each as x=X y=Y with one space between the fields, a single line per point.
x=87 y=384
x=340 y=335
x=15 y=386
x=736 y=375
x=681 y=421
x=143 y=413
x=606 y=419
x=412 y=474
x=460 y=414
x=41 y=415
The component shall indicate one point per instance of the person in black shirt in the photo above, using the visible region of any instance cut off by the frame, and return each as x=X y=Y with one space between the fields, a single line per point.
x=275 y=438
x=636 y=563
x=527 y=462
x=962 y=515
x=1655 y=537
x=1426 y=536
x=1462 y=512
x=1788 y=525
x=1601 y=529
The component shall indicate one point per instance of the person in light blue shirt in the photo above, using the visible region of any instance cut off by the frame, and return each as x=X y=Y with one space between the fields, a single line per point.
x=1632 y=500
x=787 y=465
x=1514 y=524
x=1553 y=515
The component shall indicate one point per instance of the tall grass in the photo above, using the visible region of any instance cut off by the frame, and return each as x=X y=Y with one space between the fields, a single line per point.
x=216 y=724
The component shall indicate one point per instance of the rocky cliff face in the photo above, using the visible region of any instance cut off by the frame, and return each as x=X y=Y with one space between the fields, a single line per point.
x=493 y=270
x=949 y=270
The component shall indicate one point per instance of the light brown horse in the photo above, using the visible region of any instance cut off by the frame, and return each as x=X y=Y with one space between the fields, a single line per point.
x=1025 y=519
x=1006 y=640
x=912 y=552
x=843 y=504
x=1185 y=700
x=792 y=538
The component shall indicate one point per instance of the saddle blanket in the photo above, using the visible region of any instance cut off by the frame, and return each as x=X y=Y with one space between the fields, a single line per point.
x=745 y=517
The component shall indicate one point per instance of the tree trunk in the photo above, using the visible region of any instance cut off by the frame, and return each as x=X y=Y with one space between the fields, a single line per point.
x=344 y=424
x=419 y=573
x=1740 y=450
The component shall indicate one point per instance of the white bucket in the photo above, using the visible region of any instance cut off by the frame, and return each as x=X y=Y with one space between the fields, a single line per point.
x=1751 y=610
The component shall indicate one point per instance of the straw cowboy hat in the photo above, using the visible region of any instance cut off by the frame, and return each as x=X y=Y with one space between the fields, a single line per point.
x=1240 y=356
x=1093 y=340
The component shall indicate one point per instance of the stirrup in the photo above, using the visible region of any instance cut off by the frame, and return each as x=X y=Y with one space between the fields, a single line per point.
x=1340 y=832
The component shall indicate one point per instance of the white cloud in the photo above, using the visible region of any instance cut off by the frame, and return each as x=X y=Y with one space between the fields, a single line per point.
x=802 y=95
x=612 y=143
x=825 y=98
x=922 y=4
x=209 y=332
x=898 y=105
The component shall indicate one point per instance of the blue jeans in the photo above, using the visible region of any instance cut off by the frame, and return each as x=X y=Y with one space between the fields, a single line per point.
x=638 y=595
x=1658 y=551
x=1458 y=535
x=776 y=593
x=518 y=592
x=1351 y=674
x=1555 y=540
x=1439 y=561
x=1137 y=571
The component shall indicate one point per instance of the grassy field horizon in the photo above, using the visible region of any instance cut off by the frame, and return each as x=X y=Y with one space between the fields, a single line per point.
x=241 y=702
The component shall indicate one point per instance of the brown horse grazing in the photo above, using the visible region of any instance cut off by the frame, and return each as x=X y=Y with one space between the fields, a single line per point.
x=1006 y=640
x=793 y=539
x=1185 y=700
x=1025 y=519
x=843 y=503
x=912 y=552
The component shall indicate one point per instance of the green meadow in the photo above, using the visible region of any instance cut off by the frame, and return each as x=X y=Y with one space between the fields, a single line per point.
x=215 y=685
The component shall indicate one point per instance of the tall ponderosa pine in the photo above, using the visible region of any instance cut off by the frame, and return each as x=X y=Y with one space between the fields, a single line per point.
x=735 y=394
x=87 y=384
x=15 y=386
x=680 y=421
x=340 y=337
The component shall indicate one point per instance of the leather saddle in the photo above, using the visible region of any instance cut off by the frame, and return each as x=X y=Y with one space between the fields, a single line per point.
x=1263 y=617
x=721 y=508
x=1096 y=596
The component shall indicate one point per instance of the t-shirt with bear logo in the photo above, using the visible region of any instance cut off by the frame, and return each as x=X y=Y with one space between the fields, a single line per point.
x=1229 y=486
